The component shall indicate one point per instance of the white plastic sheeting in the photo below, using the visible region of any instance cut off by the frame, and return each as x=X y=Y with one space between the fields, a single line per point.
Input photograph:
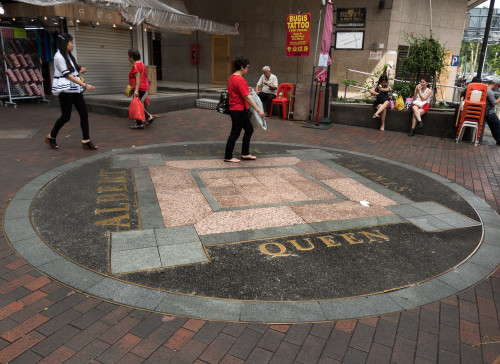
x=170 y=15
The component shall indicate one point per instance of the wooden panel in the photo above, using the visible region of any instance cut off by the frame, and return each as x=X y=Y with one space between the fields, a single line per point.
x=220 y=59
x=103 y=52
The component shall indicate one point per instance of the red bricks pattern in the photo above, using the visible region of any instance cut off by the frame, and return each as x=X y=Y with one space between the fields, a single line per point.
x=42 y=321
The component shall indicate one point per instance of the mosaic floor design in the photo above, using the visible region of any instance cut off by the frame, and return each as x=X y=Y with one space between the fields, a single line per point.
x=298 y=226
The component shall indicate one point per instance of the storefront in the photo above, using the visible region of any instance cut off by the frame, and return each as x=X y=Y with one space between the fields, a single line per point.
x=101 y=40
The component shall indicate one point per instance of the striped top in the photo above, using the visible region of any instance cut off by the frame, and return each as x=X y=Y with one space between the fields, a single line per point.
x=60 y=82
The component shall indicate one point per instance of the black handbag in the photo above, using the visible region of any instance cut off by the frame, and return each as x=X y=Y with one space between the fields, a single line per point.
x=223 y=105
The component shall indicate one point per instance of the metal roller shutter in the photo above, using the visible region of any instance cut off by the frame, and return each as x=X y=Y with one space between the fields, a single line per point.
x=103 y=52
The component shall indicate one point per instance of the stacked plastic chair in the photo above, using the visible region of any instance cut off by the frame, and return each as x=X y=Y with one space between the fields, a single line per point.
x=473 y=112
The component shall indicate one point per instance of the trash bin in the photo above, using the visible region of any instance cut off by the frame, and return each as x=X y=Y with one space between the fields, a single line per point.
x=151 y=73
x=335 y=91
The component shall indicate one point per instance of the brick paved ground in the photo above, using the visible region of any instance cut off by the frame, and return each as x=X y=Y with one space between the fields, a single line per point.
x=42 y=321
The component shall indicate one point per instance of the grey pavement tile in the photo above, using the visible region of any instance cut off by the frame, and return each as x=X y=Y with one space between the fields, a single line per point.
x=431 y=207
x=19 y=229
x=407 y=210
x=152 y=159
x=490 y=218
x=17 y=209
x=134 y=260
x=282 y=311
x=246 y=235
x=35 y=251
x=152 y=220
x=339 y=309
x=125 y=160
x=184 y=253
x=126 y=293
x=465 y=276
x=206 y=308
x=176 y=235
x=475 y=201
x=457 y=220
x=28 y=192
x=132 y=240
x=423 y=293
x=491 y=235
x=487 y=256
x=429 y=223
x=71 y=274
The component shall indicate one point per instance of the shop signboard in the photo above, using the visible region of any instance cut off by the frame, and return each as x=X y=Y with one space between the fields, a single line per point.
x=298 y=35
x=351 y=18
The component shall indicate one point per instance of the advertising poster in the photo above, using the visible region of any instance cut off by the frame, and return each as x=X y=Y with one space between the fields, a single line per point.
x=298 y=35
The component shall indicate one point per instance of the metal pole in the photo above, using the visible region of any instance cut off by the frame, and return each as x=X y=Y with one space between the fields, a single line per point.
x=326 y=109
x=197 y=65
x=485 y=38
x=314 y=63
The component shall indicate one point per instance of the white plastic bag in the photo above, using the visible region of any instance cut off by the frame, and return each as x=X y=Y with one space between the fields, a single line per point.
x=255 y=119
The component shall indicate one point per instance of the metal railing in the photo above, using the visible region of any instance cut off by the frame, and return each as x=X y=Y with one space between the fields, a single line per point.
x=456 y=92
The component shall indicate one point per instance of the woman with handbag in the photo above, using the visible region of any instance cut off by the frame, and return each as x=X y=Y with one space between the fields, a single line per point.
x=138 y=80
x=420 y=106
x=381 y=91
x=239 y=99
x=68 y=84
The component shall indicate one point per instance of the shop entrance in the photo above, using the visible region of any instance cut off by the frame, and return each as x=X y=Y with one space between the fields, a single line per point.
x=220 y=59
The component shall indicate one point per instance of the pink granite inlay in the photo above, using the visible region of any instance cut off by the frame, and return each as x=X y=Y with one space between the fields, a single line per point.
x=181 y=201
x=319 y=171
x=355 y=191
x=262 y=186
x=230 y=221
x=219 y=163
x=337 y=211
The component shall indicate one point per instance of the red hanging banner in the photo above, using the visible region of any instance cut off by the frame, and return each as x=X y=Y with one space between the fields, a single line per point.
x=298 y=35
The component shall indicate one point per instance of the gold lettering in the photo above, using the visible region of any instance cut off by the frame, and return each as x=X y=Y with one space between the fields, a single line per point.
x=281 y=247
x=115 y=221
x=126 y=207
x=112 y=197
x=295 y=244
x=105 y=173
x=113 y=179
x=350 y=238
x=328 y=240
x=102 y=189
x=375 y=233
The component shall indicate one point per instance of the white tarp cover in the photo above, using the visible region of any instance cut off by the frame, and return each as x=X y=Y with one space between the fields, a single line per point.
x=170 y=15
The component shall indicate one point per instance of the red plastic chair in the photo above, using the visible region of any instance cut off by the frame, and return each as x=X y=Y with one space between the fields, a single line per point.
x=283 y=89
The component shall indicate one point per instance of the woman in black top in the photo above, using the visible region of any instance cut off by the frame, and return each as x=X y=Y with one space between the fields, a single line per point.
x=381 y=91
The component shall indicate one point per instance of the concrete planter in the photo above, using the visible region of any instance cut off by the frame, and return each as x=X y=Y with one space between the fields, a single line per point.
x=436 y=122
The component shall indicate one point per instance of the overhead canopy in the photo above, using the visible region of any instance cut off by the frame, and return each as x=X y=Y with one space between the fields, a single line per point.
x=170 y=15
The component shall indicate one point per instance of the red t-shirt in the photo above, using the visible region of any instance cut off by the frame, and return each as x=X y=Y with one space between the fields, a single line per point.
x=141 y=68
x=237 y=87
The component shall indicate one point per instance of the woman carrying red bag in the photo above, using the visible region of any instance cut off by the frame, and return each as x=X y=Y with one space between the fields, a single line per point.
x=138 y=79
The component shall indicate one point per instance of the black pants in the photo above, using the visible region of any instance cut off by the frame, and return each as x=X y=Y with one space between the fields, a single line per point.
x=494 y=124
x=146 y=114
x=67 y=101
x=266 y=101
x=240 y=120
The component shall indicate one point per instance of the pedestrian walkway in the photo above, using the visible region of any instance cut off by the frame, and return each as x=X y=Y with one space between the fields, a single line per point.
x=44 y=321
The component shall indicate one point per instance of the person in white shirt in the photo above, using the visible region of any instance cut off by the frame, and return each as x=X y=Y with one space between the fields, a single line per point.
x=69 y=86
x=268 y=84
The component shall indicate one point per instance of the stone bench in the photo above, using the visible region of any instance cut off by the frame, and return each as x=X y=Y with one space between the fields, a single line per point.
x=437 y=122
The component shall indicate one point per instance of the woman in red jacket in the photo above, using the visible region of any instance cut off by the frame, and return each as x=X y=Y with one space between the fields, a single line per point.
x=239 y=99
x=138 y=79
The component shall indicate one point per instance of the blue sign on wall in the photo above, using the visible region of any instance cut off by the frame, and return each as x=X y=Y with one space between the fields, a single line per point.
x=454 y=61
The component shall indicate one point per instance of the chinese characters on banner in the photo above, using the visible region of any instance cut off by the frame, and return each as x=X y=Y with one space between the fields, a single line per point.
x=298 y=35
